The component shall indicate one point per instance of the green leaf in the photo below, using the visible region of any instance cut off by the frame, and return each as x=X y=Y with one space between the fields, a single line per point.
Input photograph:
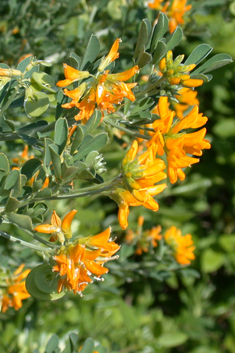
x=88 y=346
x=55 y=161
x=44 y=193
x=70 y=173
x=96 y=143
x=142 y=38
x=44 y=80
x=212 y=260
x=31 y=167
x=36 y=104
x=142 y=105
x=159 y=30
x=4 y=166
x=61 y=133
x=75 y=60
x=214 y=63
x=13 y=181
x=159 y=53
x=91 y=158
x=78 y=138
x=28 y=139
x=12 y=204
x=22 y=65
x=93 y=121
x=174 y=39
x=52 y=345
x=198 y=54
x=91 y=52
x=205 y=78
x=227 y=242
x=21 y=221
x=144 y=59
x=33 y=285
x=73 y=340
x=33 y=289
x=174 y=339
x=46 y=281
x=46 y=152
x=125 y=252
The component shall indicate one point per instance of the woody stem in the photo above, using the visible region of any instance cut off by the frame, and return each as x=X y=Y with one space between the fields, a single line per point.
x=132 y=133
x=25 y=243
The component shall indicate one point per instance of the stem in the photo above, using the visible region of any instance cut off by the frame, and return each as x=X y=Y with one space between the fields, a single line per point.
x=25 y=243
x=149 y=88
x=76 y=195
x=132 y=133
x=91 y=190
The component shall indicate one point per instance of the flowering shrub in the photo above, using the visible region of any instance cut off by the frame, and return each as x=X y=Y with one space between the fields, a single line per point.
x=118 y=122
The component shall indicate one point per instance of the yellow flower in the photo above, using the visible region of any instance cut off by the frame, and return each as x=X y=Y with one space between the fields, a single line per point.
x=16 y=290
x=175 y=142
x=140 y=174
x=58 y=229
x=177 y=73
x=182 y=246
x=78 y=264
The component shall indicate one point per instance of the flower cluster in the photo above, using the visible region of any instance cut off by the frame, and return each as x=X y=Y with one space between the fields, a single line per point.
x=102 y=91
x=173 y=139
x=177 y=73
x=182 y=246
x=144 y=239
x=15 y=290
x=80 y=262
x=140 y=174
x=175 y=10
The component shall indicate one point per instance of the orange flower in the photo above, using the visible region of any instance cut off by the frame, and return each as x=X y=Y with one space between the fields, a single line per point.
x=177 y=73
x=9 y=73
x=112 y=55
x=186 y=98
x=58 y=229
x=72 y=75
x=103 y=91
x=176 y=13
x=101 y=241
x=173 y=140
x=24 y=57
x=144 y=238
x=175 y=10
x=16 y=290
x=156 y=4
x=182 y=246
x=140 y=174
x=78 y=264
x=23 y=157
